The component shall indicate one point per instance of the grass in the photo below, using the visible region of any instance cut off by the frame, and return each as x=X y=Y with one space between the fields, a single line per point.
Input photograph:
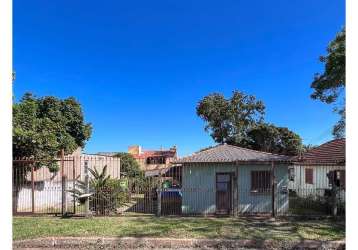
x=178 y=227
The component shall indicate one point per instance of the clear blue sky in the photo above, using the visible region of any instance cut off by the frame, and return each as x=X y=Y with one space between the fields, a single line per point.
x=140 y=67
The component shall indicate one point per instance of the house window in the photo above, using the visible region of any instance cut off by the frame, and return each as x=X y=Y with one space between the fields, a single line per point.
x=309 y=175
x=260 y=181
x=291 y=174
x=339 y=178
x=156 y=160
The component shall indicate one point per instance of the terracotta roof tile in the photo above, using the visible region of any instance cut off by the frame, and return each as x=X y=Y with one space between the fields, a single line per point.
x=332 y=152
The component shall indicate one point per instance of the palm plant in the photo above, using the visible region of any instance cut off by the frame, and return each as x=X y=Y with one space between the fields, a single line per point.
x=105 y=194
x=99 y=180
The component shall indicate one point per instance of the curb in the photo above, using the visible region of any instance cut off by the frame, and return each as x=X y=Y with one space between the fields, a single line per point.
x=165 y=243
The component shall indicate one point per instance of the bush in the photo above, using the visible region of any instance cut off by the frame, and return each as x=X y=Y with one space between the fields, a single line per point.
x=105 y=194
x=107 y=198
x=310 y=204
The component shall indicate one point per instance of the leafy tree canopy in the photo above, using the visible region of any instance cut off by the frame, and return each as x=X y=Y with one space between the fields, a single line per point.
x=228 y=120
x=44 y=126
x=329 y=86
x=239 y=121
x=278 y=140
x=129 y=165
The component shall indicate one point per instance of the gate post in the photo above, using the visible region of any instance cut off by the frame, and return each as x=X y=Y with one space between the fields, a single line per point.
x=63 y=183
x=159 y=202
x=334 y=199
x=87 y=213
x=273 y=212
x=74 y=182
x=32 y=190
x=159 y=198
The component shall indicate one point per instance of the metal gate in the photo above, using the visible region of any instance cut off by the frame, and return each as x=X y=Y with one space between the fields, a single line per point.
x=157 y=192
x=38 y=189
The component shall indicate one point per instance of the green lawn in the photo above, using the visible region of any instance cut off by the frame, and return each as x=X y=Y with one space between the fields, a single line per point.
x=178 y=227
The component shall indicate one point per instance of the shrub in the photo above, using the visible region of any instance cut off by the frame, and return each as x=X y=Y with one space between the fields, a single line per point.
x=105 y=194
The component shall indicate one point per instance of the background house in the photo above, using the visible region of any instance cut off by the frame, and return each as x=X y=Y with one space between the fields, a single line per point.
x=153 y=162
x=309 y=174
x=230 y=180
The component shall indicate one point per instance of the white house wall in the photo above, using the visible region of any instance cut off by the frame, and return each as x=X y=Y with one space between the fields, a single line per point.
x=320 y=180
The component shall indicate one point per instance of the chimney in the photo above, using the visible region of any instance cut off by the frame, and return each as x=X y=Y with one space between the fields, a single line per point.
x=135 y=150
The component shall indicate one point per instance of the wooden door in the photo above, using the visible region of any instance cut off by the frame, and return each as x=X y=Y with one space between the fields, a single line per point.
x=223 y=193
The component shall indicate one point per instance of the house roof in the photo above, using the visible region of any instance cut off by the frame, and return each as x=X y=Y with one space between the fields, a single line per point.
x=107 y=153
x=155 y=153
x=332 y=152
x=224 y=153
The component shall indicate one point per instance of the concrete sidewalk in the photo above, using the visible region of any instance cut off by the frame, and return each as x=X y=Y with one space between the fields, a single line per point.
x=169 y=243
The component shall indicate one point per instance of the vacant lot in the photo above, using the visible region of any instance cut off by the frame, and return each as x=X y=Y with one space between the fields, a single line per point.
x=177 y=227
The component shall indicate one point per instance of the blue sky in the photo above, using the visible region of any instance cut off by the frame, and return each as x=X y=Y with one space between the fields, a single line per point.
x=140 y=67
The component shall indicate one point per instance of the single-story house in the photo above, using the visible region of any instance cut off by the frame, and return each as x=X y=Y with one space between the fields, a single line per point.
x=309 y=175
x=228 y=179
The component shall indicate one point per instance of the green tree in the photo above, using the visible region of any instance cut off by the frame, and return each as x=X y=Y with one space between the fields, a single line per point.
x=239 y=121
x=329 y=86
x=229 y=120
x=129 y=165
x=44 y=126
x=269 y=138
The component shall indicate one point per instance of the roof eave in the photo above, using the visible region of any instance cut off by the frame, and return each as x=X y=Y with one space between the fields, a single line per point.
x=319 y=163
x=237 y=162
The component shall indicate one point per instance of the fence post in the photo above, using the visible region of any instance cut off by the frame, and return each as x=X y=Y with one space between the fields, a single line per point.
x=236 y=192
x=273 y=189
x=129 y=189
x=334 y=198
x=87 y=213
x=63 y=180
x=159 y=198
x=74 y=182
x=32 y=190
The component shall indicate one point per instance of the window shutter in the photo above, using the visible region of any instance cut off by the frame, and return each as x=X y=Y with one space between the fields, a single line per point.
x=309 y=175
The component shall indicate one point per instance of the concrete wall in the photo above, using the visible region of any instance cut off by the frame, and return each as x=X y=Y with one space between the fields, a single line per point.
x=199 y=194
x=48 y=197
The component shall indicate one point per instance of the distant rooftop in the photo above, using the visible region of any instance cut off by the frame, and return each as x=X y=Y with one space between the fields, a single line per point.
x=107 y=153
x=137 y=152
